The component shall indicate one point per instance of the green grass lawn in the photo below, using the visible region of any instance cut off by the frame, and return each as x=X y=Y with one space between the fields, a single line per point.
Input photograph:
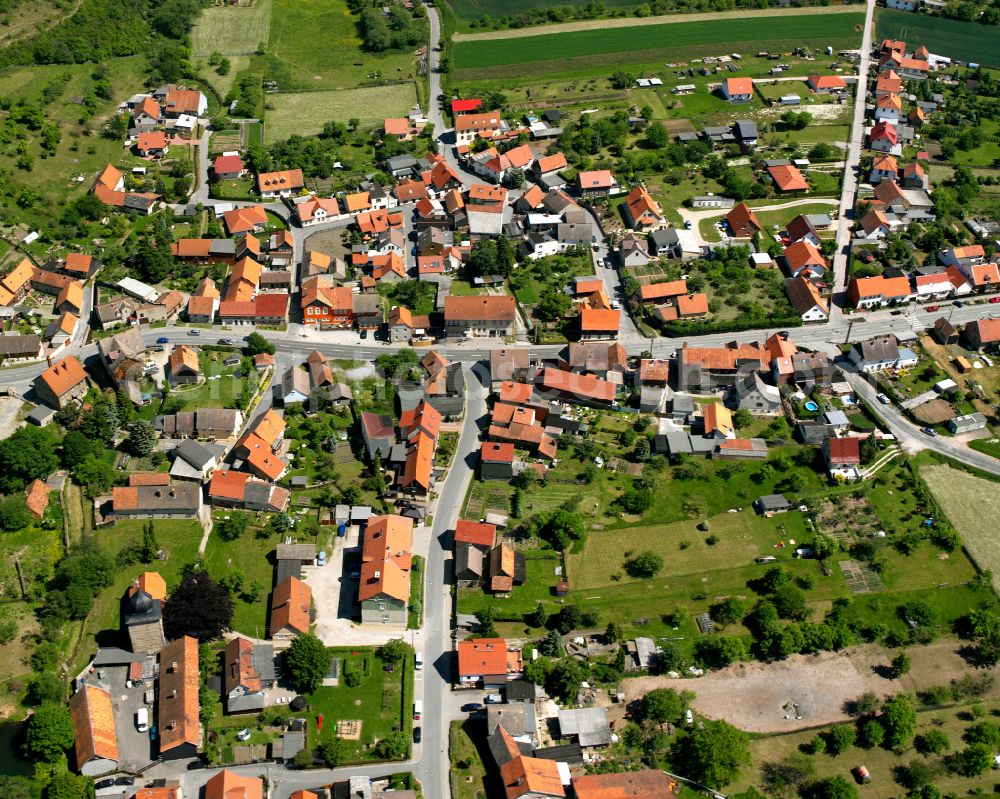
x=539 y=586
x=221 y=393
x=231 y=30
x=646 y=43
x=783 y=217
x=468 y=775
x=968 y=41
x=383 y=702
x=253 y=555
x=241 y=189
x=179 y=538
x=306 y=112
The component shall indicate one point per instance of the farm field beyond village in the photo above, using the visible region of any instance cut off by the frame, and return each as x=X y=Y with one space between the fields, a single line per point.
x=642 y=44
x=973 y=505
x=968 y=41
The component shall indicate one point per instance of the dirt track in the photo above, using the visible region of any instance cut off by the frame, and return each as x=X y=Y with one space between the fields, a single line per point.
x=752 y=696
x=632 y=22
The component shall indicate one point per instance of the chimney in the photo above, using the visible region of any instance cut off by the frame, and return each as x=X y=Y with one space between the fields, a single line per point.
x=48 y=359
x=173 y=665
x=173 y=693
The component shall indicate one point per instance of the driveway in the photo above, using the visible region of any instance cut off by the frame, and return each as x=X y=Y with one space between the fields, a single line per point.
x=9 y=409
x=335 y=594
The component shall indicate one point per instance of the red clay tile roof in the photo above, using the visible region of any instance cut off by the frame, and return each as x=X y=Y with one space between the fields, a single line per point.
x=787 y=178
x=37 y=498
x=581 y=386
x=479 y=308
x=736 y=86
x=178 y=695
x=646 y=784
x=478 y=533
x=93 y=725
x=290 y=606
x=227 y=164
x=230 y=785
x=230 y=485
x=149 y=479
x=482 y=656
x=598 y=320
x=386 y=557
x=63 y=376
x=844 y=451
x=285 y=180
x=496 y=453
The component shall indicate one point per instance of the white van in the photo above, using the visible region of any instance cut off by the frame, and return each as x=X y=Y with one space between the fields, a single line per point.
x=142 y=720
x=418 y=660
x=418 y=709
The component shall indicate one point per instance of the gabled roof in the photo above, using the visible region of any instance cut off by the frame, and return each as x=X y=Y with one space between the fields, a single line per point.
x=660 y=291
x=487 y=120
x=738 y=86
x=290 y=606
x=646 y=784
x=178 y=695
x=804 y=295
x=787 y=177
x=579 y=386
x=477 y=533
x=482 y=656
x=595 y=179
x=386 y=557
x=184 y=358
x=874 y=220
x=240 y=220
x=804 y=253
x=884 y=130
x=551 y=163
x=285 y=180
x=37 y=498
x=718 y=418
x=818 y=82
x=93 y=725
x=593 y=320
x=227 y=164
x=531 y=776
x=72 y=293
x=479 y=308
x=62 y=377
x=238 y=667
x=640 y=203
x=844 y=451
x=495 y=452
x=230 y=785
x=741 y=215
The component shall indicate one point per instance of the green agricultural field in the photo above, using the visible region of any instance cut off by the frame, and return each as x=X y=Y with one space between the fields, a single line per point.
x=305 y=113
x=968 y=41
x=649 y=43
x=467 y=10
x=231 y=30
x=314 y=45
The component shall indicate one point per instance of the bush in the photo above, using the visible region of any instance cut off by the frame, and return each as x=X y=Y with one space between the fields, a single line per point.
x=644 y=565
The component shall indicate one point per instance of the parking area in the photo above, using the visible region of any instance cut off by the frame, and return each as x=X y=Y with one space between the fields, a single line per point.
x=135 y=748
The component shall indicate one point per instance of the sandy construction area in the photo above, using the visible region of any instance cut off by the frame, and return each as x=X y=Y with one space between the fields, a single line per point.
x=753 y=696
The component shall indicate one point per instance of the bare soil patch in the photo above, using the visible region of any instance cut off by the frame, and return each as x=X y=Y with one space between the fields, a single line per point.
x=752 y=696
x=934 y=412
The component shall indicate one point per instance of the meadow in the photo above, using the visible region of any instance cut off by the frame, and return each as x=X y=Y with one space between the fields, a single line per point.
x=305 y=113
x=231 y=30
x=968 y=41
x=972 y=504
x=314 y=45
x=648 y=43
x=65 y=175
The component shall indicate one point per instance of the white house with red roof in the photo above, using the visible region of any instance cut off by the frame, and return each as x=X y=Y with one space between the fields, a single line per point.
x=737 y=90
x=884 y=138
x=228 y=166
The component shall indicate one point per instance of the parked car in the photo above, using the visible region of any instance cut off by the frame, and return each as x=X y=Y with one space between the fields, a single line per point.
x=142 y=719
x=883 y=399
x=194 y=332
x=101 y=784
x=226 y=341
x=159 y=348
x=994 y=300
x=125 y=781
x=933 y=308
x=928 y=431
x=321 y=558
x=243 y=735
x=417 y=735
x=162 y=340
x=958 y=304
x=471 y=707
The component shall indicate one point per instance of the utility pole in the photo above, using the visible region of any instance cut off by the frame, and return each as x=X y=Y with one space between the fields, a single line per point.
x=850 y=324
